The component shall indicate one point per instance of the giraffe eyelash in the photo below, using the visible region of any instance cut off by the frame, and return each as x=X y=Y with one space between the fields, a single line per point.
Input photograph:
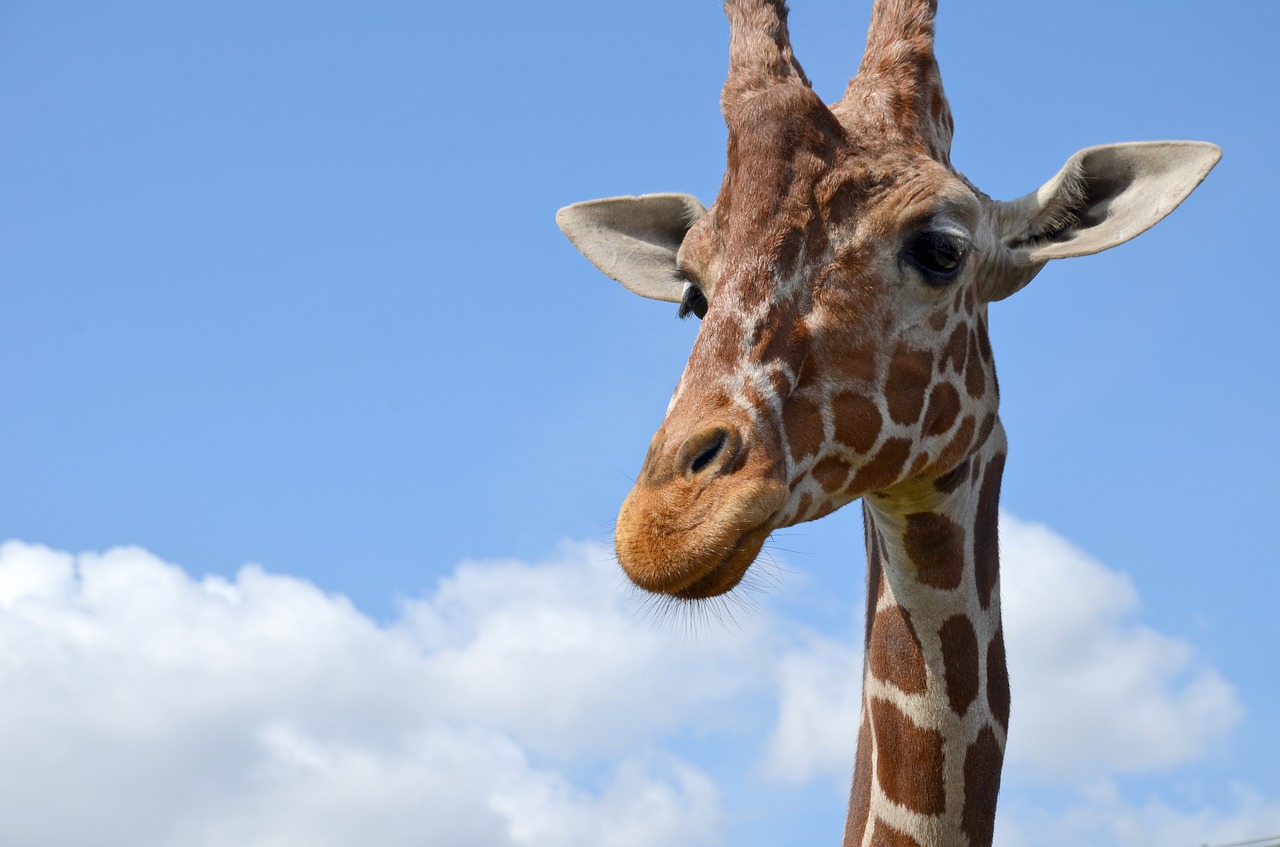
x=692 y=299
x=938 y=255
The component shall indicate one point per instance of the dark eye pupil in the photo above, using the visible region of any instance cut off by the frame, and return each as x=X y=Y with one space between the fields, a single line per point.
x=937 y=254
x=940 y=257
x=693 y=301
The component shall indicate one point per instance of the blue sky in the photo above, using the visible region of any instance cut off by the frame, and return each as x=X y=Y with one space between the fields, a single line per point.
x=282 y=285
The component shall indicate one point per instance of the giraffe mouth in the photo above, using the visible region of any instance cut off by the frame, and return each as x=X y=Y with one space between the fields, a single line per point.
x=725 y=576
x=695 y=550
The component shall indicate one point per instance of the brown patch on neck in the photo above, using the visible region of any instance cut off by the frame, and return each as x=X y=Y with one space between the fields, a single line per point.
x=894 y=654
x=910 y=767
x=982 y=763
x=960 y=660
x=954 y=478
x=986 y=537
x=886 y=836
x=935 y=545
x=860 y=793
x=998 y=680
x=875 y=571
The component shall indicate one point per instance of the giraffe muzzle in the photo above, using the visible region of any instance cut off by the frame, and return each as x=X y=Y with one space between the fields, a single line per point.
x=699 y=512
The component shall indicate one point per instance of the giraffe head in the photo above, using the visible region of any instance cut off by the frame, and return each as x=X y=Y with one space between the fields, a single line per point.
x=842 y=277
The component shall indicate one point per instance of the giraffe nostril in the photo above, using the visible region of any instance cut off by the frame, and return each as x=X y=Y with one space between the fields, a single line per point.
x=711 y=450
x=708 y=455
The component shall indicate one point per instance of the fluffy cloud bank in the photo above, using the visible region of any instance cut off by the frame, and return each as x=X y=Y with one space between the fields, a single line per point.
x=515 y=704
x=144 y=707
x=1095 y=690
x=1100 y=815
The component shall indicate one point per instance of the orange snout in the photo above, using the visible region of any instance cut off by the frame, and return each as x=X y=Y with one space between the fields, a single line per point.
x=700 y=511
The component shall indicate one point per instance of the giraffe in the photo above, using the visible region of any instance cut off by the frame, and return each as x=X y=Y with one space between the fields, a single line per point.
x=842 y=277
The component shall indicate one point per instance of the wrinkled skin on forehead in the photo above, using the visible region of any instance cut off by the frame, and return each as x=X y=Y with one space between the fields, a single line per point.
x=812 y=362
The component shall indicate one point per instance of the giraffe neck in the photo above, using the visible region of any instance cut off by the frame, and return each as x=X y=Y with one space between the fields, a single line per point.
x=935 y=695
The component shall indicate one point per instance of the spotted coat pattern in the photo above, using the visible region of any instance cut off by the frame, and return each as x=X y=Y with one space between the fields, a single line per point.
x=844 y=273
x=935 y=707
x=854 y=375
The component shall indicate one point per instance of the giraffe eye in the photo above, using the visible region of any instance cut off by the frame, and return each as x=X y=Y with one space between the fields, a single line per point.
x=693 y=301
x=939 y=255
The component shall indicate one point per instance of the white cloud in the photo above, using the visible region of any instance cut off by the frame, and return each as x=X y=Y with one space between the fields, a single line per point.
x=519 y=704
x=143 y=707
x=1102 y=816
x=819 y=697
x=1093 y=690
x=555 y=656
x=451 y=786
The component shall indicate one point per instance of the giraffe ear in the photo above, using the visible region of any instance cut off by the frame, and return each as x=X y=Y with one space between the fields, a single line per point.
x=634 y=239
x=1102 y=197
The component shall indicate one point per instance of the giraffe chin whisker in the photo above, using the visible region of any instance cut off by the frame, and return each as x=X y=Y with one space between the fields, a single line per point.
x=695 y=547
x=725 y=576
